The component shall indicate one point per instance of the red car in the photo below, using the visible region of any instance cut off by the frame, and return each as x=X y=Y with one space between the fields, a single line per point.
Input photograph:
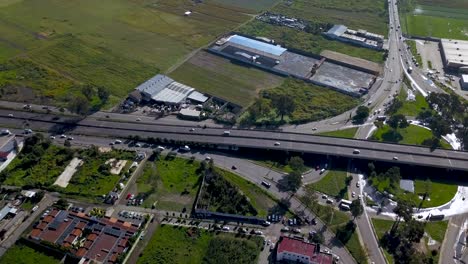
x=129 y=195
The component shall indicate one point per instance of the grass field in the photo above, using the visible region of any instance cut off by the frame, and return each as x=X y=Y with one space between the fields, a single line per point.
x=224 y=79
x=343 y=133
x=333 y=184
x=441 y=193
x=179 y=245
x=413 y=135
x=37 y=172
x=437 y=230
x=94 y=42
x=447 y=19
x=170 y=182
x=21 y=254
x=414 y=51
x=312 y=102
x=411 y=108
x=292 y=38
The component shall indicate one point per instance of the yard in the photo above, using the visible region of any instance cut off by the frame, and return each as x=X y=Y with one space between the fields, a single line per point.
x=441 y=193
x=172 y=244
x=343 y=133
x=413 y=135
x=170 y=182
x=93 y=178
x=214 y=75
x=442 y=19
x=89 y=42
x=22 y=254
x=333 y=184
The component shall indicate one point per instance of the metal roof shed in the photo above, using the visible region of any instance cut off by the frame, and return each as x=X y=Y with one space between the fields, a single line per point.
x=196 y=96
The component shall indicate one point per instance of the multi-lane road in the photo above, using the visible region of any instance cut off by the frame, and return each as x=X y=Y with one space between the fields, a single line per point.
x=274 y=140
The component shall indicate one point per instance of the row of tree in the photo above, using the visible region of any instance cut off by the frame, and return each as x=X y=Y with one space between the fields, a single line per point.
x=263 y=108
x=81 y=103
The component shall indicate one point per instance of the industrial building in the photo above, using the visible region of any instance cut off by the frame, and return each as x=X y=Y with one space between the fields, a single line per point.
x=298 y=251
x=455 y=54
x=360 y=37
x=352 y=80
x=464 y=82
x=162 y=89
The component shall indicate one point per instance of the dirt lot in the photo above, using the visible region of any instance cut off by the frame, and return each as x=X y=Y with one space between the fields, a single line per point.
x=365 y=64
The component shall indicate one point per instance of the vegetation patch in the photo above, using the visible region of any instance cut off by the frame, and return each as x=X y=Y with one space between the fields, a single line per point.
x=335 y=184
x=93 y=178
x=170 y=183
x=295 y=102
x=414 y=51
x=234 y=82
x=412 y=135
x=171 y=244
x=38 y=164
x=411 y=108
x=22 y=254
x=343 y=133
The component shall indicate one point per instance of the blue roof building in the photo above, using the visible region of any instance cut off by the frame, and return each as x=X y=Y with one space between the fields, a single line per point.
x=260 y=46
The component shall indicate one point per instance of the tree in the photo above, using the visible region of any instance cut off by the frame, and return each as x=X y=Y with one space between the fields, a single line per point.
x=462 y=133
x=397 y=121
x=317 y=238
x=296 y=163
x=294 y=180
x=362 y=113
x=61 y=204
x=87 y=91
x=309 y=199
x=439 y=127
x=284 y=105
x=103 y=94
x=260 y=108
x=394 y=106
x=413 y=231
x=79 y=105
x=356 y=208
x=404 y=210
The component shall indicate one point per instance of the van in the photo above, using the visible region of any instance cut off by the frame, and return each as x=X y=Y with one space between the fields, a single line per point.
x=266 y=184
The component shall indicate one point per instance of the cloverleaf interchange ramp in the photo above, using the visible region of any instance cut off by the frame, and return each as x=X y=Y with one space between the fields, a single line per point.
x=256 y=139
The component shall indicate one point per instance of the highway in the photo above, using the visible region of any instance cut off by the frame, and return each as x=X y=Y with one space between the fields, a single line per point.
x=368 y=150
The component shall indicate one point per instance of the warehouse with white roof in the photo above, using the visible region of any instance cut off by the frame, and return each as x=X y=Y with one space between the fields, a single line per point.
x=455 y=54
x=163 y=89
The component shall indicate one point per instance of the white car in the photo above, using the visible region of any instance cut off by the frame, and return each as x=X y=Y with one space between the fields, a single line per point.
x=52 y=137
x=395 y=158
x=226 y=228
x=160 y=148
x=138 y=119
x=10 y=115
x=356 y=151
x=353 y=194
x=63 y=136
x=277 y=143
x=192 y=129
x=118 y=141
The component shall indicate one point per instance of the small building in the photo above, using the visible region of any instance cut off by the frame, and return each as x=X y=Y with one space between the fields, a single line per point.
x=197 y=97
x=298 y=251
x=190 y=114
x=8 y=209
x=336 y=31
x=464 y=82
x=28 y=193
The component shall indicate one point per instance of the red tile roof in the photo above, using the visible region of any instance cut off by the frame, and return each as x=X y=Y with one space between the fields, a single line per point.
x=35 y=233
x=80 y=225
x=92 y=237
x=70 y=239
x=81 y=252
x=42 y=225
x=303 y=248
x=48 y=219
x=76 y=232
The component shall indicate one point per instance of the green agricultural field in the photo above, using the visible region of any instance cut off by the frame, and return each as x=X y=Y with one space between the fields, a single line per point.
x=366 y=14
x=344 y=133
x=411 y=108
x=312 y=102
x=333 y=184
x=95 y=43
x=413 y=135
x=93 y=179
x=21 y=254
x=172 y=244
x=315 y=44
x=237 y=83
x=171 y=183
x=442 y=20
